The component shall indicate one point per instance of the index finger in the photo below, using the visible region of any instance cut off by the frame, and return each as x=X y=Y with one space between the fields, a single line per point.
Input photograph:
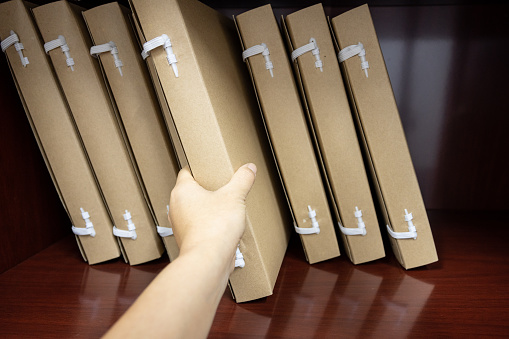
x=185 y=176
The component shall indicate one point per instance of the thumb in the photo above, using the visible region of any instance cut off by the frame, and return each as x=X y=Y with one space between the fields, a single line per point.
x=243 y=179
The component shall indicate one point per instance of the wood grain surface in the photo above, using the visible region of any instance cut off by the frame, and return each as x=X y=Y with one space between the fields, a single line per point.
x=54 y=294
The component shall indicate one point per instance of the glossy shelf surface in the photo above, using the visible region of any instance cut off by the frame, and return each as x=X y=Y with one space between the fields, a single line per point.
x=466 y=293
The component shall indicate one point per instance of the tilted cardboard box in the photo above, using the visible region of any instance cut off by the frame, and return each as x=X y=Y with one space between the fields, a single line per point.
x=104 y=140
x=320 y=79
x=216 y=116
x=57 y=136
x=132 y=90
x=163 y=104
x=377 y=117
x=285 y=121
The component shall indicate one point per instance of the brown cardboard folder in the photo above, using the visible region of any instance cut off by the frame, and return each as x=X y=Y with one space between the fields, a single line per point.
x=58 y=139
x=377 y=117
x=320 y=79
x=216 y=117
x=165 y=108
x=102 y=135
x=287 y=129
x=132 y=90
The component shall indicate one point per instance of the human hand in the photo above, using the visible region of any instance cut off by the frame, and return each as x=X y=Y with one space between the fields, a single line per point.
x=211 y=222
x=207 y=226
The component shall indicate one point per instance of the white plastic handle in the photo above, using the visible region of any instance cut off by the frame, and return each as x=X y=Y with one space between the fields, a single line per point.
x=359 y=230
x=131 y=233
x=315 y=227
x=306 y=230
x=62 y=43
x=13 y=39
x=412 y=231
x=312 y=47
x=108 y=47
x=353 y=50
x=263 y=50
x=89 y=226
x=165 y=42
x=239 y=259
x=164 y=231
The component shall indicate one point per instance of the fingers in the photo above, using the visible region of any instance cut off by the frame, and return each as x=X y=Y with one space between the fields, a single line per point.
x=184 y=176
x=184 y=182
x=243 y=179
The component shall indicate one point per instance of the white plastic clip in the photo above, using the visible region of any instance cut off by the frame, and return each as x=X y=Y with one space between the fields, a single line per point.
x=412 y=231
x=108 y=47
x=311 y=47
x=131 y=233
x=164 y=41
x=359 y=230
x=353 y=50
x=260 y=49
x=60 y=42
x=315 y=227
x=13 y=39
x=239 y=258
x=165 y=231
x=89 y=227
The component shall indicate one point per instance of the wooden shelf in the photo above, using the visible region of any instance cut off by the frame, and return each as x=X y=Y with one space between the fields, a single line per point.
x=451 y=88
x=56 y=294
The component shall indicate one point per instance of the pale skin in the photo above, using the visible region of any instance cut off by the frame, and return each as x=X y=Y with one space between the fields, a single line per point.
x=182 y=300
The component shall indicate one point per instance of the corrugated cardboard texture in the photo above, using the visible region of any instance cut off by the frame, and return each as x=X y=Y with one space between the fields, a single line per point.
x=333 y=124
x=217 y=120
x=56 y=134
x=287 y=128
x=384 y=139
x=95 y=117
x=139 y=110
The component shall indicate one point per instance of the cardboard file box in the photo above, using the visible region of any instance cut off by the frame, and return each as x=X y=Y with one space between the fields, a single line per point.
x=165 y=108
x=377 y=117
x=56 y=134
x=102 y=135
x=215 y=113
x=320 y=80
x=285 y=122
x=132 y=90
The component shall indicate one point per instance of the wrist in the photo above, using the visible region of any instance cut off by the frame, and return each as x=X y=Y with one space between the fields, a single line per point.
x=219 y=256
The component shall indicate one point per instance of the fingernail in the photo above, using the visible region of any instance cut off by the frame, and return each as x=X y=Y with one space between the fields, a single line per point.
x=252 y=167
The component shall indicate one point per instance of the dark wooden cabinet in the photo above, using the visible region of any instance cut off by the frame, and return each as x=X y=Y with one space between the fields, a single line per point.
x=32 y=216
x=447 y=65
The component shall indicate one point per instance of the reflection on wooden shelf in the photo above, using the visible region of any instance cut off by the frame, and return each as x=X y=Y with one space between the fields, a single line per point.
x=63 y=296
